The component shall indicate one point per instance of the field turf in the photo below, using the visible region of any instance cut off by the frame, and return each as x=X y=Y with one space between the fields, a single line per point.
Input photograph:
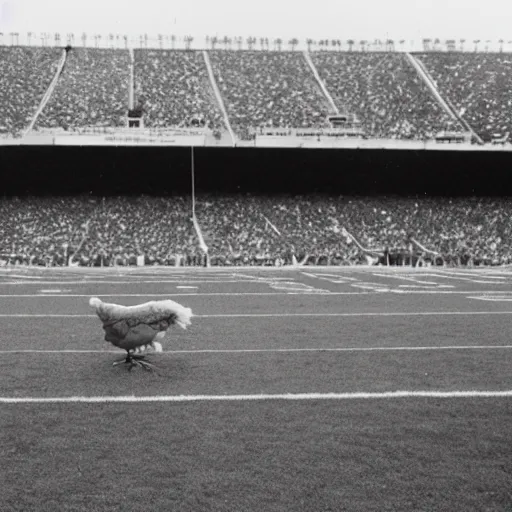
x=280 y=397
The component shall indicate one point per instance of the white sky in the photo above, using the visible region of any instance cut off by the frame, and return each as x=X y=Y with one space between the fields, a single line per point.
x=327 y=19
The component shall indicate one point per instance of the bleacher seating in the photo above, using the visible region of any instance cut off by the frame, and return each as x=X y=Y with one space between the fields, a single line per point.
x=176 y=89
x=251 y=229
x=260 y=89
x=479 y=85
x=384 y=91
x=270 y=89
x=91 y=91
x=25 y=74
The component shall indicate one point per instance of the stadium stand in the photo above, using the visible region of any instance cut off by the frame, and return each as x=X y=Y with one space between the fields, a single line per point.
x=259 y=89
x=176 y=89
x=25 y=74
x=385 y=93
x=48 y=231
x=91 y=91
x=253 y=230
x=479 y=85
x=269 y=89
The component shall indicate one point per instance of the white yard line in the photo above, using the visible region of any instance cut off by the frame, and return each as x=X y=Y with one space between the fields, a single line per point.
x=493 y=298
x=331 y=278
x=282 y=315
x=269 y=350
x=54 y=295
x=242 y=398
x=378 y=289
x=477 y=273
x=314 y=276
x=370 y=314
x=444 y=292
x=132 y=282
x=405 y=278
x=472 y=279
x=421 y=286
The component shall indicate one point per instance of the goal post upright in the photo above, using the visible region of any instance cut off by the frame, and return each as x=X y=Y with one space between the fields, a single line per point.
x=192 y=175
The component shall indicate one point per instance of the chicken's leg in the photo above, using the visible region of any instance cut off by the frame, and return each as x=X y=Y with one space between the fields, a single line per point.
x=134 y=360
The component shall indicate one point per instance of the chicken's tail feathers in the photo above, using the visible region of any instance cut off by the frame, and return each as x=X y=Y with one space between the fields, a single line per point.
x=180 y=314
x=183 y=317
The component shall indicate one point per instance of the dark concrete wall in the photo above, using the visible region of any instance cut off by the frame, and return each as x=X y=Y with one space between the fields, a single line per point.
x=110 y=170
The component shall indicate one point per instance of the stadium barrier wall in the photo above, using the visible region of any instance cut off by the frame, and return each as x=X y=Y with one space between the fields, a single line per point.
x=162 y=170
x=129 y=140
x=134 y=138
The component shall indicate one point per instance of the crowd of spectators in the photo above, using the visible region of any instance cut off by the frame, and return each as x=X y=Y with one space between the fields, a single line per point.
x=268 y=89
x=254 y=230
x=176 y=89
x=260 y=89
x=91 y=91
x=25 y=74
x=479 y=85
x=91 y=231
x=385 y=92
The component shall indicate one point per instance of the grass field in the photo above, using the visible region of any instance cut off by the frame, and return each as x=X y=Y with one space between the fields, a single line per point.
x=282 y=396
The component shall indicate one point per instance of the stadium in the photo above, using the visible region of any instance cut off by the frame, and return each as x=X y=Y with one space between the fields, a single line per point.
x=328 y=220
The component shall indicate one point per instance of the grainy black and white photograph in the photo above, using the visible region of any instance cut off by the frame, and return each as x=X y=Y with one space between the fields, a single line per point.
x=255 y=256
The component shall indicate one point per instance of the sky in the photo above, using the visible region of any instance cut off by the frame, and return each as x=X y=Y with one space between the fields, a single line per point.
x=328 y=19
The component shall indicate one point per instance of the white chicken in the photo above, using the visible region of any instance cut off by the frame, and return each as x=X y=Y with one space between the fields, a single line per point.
x=136 y=328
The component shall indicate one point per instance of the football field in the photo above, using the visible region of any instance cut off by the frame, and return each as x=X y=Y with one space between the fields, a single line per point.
x=305 y=389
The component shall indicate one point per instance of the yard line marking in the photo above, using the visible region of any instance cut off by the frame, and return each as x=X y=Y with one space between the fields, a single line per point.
x=443 y=292
x=240 y=398
x=418 y=286
x=377 y=287
x=25 y=276
x=49 y=315
x=172 y=294
x=456 y=276
x=405 y=278
x=284 y=284
x=493 y=282
x=476 y=273
x=64 y=351
x=331 y=278
x=132 y=282
x=417 y=313
x=493 y=298
x=278 y=315
x=259 y=278
x=237 y=294
x=337 y=276
x=266 y=350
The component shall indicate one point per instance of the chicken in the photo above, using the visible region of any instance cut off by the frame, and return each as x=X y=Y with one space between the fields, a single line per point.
x=136 y=328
